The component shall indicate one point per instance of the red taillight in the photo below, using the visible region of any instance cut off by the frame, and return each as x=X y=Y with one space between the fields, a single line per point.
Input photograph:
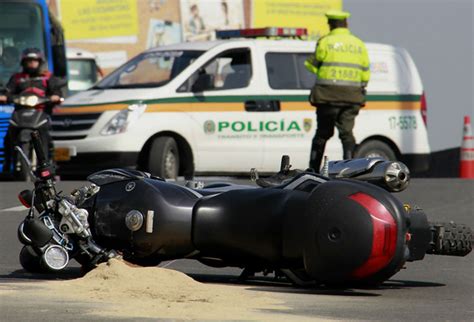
x=424 y=109
x=384 y=238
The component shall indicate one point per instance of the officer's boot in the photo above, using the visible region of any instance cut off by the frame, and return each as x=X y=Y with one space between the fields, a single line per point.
x=317 y=153
x=348 y=151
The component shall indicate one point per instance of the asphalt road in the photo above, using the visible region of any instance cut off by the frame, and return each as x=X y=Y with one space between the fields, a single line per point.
x=438 y=288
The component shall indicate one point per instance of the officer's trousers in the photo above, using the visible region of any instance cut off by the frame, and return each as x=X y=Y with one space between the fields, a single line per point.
x=330 y=116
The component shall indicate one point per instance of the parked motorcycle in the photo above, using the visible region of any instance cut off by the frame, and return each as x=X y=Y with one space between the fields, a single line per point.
x=314 y=229
x=25 y=119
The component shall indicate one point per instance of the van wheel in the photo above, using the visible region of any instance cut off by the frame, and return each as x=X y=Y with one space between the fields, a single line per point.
x=375 y=149
x=163 y=160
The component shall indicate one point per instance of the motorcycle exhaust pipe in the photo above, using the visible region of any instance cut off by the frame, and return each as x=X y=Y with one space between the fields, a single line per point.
x=392 y=176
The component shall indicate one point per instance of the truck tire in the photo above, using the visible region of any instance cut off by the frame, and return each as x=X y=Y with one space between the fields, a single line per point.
x=163 y=160
x=375 y=148
x=451 y=239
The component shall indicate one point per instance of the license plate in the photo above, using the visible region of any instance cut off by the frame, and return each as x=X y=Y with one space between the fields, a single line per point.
x=62 y=154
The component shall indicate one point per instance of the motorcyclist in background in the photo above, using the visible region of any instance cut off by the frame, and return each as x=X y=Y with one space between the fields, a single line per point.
x=33 y=79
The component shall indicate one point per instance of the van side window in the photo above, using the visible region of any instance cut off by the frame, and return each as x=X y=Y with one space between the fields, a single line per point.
x=229 y=70
x=287 y=71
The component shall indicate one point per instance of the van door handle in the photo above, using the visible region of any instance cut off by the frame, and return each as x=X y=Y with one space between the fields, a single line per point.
x=262 y=106
x=272 y=106
x=252 y=106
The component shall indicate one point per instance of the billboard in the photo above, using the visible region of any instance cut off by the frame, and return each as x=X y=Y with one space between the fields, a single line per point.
x=117 y=30
x=200 y=18
x=92 y=19
x=294 y=13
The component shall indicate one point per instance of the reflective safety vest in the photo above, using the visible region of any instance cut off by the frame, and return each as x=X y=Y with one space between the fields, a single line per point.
x=341 y=59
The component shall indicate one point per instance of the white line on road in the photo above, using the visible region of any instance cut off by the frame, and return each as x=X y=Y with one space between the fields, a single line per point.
x=168 y=264
x=18 y=208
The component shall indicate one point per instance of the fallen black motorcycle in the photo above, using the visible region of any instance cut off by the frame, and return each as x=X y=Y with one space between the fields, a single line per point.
x=338 y=228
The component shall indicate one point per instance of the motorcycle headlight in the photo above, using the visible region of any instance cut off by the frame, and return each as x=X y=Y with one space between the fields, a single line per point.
x=121 y=120
x=31 y=101
x=55 y=257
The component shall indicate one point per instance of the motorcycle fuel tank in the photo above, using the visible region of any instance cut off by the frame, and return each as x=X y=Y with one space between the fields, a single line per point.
x=144 y=217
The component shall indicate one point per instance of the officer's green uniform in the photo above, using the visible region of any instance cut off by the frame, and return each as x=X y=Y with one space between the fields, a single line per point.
x=341 y=63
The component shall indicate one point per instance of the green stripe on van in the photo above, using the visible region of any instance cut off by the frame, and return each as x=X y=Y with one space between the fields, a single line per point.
x=243 y=98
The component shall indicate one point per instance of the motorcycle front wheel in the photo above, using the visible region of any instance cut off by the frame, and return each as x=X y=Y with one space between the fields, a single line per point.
x=30 y=261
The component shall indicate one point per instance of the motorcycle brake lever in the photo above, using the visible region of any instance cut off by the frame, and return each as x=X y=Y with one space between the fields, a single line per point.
x=254 y=174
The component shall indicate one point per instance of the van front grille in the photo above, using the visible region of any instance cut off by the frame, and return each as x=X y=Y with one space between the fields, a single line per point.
x=73 y=122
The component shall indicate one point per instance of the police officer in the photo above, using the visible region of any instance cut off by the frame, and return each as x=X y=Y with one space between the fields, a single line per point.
x=341 y=64
x=34 y=80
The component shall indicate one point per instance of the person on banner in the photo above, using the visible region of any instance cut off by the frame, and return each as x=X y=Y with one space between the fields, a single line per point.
x=341 y=64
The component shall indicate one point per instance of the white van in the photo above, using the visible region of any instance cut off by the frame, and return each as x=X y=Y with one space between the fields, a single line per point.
x=227 y=106
x=83 y=71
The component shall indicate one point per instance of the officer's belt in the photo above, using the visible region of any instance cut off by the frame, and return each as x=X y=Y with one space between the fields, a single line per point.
x=349 y=65
x=337 y=82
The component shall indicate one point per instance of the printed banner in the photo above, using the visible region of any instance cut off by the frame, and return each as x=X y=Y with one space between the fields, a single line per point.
x=91 y=19
x=200 y=19
x=163 y=32
x=294 y=13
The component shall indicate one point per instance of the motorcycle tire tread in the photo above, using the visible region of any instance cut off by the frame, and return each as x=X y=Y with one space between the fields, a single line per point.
x=453 y=240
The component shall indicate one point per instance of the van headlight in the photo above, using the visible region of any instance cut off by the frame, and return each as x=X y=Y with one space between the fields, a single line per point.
x=121 y=120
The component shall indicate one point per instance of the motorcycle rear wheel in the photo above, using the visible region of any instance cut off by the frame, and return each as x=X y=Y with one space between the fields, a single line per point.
x=451 y=239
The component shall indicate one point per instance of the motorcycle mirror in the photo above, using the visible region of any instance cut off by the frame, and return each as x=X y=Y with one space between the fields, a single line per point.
x=26 y=198
x=26 y=162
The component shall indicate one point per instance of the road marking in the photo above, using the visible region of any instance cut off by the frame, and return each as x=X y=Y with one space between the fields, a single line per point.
x=168 y=264
x=18 y=208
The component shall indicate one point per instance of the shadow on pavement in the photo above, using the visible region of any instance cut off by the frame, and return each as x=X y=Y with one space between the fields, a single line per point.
x=267 y=284
x=15 y=276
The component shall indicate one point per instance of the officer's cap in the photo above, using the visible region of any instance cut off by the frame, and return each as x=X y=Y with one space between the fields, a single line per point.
x=337 y=15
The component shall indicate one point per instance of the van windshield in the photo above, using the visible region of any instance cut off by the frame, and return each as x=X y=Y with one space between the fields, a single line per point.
x=21 y=26
x=150 y=69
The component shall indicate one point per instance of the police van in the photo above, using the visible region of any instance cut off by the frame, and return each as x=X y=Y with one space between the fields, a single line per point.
x=225 y=106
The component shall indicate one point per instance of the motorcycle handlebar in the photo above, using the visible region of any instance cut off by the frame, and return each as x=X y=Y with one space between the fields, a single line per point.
x=33 y=100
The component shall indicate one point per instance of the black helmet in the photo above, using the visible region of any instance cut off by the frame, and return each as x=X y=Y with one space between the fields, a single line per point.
x=32 y=54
